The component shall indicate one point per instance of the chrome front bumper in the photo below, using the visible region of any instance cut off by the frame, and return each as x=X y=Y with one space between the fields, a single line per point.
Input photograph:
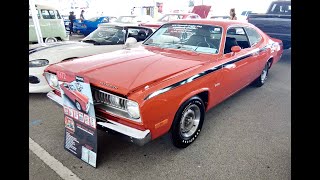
x=128 y=133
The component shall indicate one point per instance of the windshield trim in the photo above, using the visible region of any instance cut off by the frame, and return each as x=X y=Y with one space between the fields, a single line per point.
x=222 y=37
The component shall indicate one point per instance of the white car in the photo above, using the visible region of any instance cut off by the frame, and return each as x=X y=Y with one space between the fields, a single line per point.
x=244 y=15
x=106 y=38
x=133 y=20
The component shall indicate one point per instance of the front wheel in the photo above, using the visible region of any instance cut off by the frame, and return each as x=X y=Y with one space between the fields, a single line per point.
x=188 y=122
x=78 y=106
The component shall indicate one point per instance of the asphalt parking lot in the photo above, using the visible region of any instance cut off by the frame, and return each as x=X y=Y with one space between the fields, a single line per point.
x=248 y=136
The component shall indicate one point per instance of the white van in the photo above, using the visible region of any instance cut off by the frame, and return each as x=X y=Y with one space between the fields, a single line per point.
x=51 y=25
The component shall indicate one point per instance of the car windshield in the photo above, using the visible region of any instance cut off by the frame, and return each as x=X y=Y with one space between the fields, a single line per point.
x=170 y=17
x=189 y=37
x=125 y=19
x=106 y=35
x=93 y=19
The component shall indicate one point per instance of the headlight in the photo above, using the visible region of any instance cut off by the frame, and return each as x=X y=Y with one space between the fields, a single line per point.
x=38 y=63
x=52 y=80
x=133 y=109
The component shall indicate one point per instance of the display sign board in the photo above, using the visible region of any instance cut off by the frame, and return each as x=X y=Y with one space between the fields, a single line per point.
x=79 y=117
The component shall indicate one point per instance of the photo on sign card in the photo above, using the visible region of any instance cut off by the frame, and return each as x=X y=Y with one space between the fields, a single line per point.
x=92 y=122
x=86 y=119
x=71 y=112
x=66 y=110
x=69 y=123
x=81 y=117
x=75 y=114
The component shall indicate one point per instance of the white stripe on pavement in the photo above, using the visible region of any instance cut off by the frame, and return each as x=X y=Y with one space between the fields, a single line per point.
x=53 y=163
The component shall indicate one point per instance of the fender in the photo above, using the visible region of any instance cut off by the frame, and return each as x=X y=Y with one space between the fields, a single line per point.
x=193 y=93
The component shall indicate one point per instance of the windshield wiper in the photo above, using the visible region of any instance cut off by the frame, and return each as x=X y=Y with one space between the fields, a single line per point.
x=89 y=41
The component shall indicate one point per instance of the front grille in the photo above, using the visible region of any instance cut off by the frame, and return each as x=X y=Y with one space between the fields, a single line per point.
x=34 y=80
x=108 y=99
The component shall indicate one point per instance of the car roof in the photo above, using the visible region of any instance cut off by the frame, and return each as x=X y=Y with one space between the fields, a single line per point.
x=120 y=25
x=180 y=14
x=46 y=6
x=217 y=22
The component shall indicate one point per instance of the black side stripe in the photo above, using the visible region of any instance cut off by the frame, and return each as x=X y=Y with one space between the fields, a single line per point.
x=192 y=78
x=46 y=47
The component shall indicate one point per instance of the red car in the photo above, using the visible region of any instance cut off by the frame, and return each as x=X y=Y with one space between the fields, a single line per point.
x=169 y=17
x=80 y=100
x=170 y=81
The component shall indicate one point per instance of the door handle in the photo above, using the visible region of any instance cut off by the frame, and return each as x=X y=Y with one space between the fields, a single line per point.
x=230 y=66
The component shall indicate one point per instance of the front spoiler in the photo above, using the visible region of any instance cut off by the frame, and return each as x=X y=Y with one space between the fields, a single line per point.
x=128 y=133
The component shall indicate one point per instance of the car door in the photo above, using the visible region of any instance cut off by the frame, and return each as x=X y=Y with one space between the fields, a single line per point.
x=237 y=66
x=259 y=55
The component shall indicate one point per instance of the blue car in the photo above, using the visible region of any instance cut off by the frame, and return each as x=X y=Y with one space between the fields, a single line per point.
x=88 y=26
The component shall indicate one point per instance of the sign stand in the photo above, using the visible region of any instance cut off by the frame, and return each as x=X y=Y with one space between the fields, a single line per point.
x=79 y=117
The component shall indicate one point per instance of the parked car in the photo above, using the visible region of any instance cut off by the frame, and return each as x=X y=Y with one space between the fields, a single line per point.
x=88 y=26
x=80 y=100
x=51 y=25
x=134 y=20
x=218 y=17
x=170 y=81
x=66 y=22
x=169 y=17
x=244 y=15
x=276 y=22
x=106 y=38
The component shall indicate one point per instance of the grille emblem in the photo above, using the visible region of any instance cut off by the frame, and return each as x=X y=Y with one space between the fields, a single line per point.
x=108 y=85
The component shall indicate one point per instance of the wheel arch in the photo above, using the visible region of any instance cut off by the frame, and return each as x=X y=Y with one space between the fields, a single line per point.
x=203 y=93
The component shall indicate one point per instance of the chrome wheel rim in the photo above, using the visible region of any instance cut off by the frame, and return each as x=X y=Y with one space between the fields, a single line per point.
x=264 y=74
x=190 y=121
x=78 y=106
x=50 y=40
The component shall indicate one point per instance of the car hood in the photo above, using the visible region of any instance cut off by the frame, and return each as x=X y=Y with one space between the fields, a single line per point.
x=56 y=52
x=126 y=70
x=57 y=47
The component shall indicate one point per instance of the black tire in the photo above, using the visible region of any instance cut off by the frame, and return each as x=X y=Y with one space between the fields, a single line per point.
x=262 y=79
x=50 y=40
x=78 y=107
x=177 y=136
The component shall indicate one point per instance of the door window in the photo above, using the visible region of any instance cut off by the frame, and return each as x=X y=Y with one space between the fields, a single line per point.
x=253 y=35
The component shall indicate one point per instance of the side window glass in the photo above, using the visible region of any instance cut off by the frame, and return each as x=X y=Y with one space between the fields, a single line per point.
x=105 y=20
x=58 y=15
x=140 y=34
x=45 y=14
x=253 y=35
x=52 y=15
x=236 y=36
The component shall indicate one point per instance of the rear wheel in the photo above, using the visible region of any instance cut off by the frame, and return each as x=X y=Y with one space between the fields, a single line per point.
x=188 y=122
x=263 y=76
x=50 y=40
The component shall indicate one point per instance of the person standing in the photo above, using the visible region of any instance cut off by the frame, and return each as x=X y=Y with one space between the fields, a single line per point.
x=82 y=16
x=233 y=14
x=72 y=17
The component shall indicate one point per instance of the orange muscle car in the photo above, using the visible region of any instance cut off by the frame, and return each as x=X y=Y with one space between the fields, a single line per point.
x=181 y=71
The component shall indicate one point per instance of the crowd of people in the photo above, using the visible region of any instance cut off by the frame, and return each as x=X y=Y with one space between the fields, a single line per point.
x=72 y=17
